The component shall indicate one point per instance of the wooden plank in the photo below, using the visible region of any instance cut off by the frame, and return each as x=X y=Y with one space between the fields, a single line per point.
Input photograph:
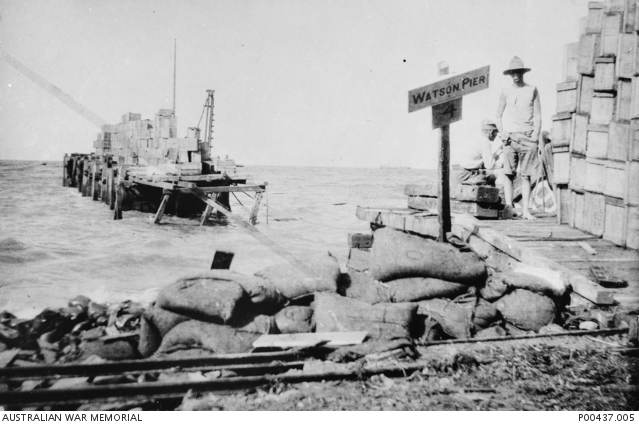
x=7 y=356
x=424 y=223
x=228 y=189
x=256 y=207
x=206 y=214
x=580 y=284
x=606 y=277
x=327 y=339
x=457 y=207
x=460 y=192
x=587 y=248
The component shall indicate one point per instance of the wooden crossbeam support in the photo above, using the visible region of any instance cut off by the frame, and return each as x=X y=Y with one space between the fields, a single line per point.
x=226 y=189
x=165 y=200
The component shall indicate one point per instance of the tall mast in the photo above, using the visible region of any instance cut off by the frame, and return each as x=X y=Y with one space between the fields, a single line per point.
x=174 y=70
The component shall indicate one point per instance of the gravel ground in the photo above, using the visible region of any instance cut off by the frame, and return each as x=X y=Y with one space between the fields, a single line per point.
x=578 y=374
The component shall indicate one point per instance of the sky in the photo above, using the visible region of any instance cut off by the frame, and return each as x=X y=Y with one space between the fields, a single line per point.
x=297 y=82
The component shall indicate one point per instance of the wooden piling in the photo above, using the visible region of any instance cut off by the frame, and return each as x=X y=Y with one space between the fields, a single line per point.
x=256 y=207
x=165 y=200
x=95 y=183
x=64 y=170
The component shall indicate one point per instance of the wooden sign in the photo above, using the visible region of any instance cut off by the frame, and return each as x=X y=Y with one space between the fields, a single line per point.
x=446 y=113
x=448 y=88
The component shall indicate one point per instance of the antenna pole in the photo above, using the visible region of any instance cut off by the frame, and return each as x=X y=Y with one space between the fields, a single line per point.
x=174 y=71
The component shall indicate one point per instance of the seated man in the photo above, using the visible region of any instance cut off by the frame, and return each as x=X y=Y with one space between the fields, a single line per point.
x=482 y=165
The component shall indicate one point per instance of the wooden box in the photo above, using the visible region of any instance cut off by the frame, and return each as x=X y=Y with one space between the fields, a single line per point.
x=615 y=179
x=633 y=146
x=577 y=172
x=630 y=16
x=634 y=103
x=623 y=109
x=564 y=201
x=632 y=228
x=614 y=6
x=595 y=175
x=595 y=17
x=602 y=108
x=594 y=213
x=579 y=135
x=597 y=141
x=189 y=144
x=561 y=167
x=578 y=207
x=571 y=59
x=588 y=50
x=604 y=74
x=615 y=221
x=618 y=141
x=611 y=28
x=585 y=94
x=562 y=126
x=567 y=97
x=632 y=183
x=625 y=61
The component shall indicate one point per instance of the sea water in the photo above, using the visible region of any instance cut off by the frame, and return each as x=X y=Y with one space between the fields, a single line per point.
x=56 y=244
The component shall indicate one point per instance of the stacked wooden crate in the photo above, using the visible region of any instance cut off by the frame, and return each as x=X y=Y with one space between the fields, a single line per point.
x=595 y=132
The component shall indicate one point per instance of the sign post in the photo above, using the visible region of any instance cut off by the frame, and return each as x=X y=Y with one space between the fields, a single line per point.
x=445 y=96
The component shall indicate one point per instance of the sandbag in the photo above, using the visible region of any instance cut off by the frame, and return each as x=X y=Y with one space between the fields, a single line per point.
x=265 y=299
x=455 y=319
x=209 y=336
x=295 y=319
x=361 y=286
x=537 y=279
x=334 y=313
x=423 y=288
x=293 y=283
x=261 y=324
x=211 y=298
x=397 y=255
x=154 y=324
x=527 y=310
x=494 y=288
x=485 y=315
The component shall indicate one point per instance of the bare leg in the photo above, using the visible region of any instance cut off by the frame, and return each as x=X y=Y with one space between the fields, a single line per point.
x=508 y=189
x=525 y=197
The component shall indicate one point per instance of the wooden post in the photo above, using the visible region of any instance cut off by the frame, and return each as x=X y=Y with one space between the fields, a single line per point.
x=206 y=214
x=113 y=176
x=444 y=173
x=256 y=207
x=64 y=170
x=94 y=170
x=79 y=170
x=86 y=179
x=165 y=200
x=104 y=180
x=119 y=194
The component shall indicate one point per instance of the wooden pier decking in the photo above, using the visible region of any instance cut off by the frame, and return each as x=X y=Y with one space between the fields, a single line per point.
x=563 y=244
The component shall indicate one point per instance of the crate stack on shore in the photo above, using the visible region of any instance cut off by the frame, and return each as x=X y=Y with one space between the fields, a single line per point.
x=595 y=133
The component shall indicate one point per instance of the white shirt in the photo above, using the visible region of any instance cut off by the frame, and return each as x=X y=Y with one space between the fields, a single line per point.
x=480 y=155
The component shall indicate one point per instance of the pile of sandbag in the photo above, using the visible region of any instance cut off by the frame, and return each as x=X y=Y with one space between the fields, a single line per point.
x=456 y=293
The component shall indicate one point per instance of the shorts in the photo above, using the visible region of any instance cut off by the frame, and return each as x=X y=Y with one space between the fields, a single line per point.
x=517 y=154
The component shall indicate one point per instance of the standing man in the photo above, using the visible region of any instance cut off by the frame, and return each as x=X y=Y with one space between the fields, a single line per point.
x=520 y=107
x=481 y=164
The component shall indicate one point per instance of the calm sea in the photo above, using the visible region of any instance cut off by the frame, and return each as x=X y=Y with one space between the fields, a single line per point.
x=55 y=244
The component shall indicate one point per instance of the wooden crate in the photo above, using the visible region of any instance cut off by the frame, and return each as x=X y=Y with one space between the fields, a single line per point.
x=585 y=94
x=623 y=108
x=615 y=221
x=577 y=172
x=561 y=165
x=632 y=186
x=597 y=141
x=632 y=227
x=614 y=6
x=595 y=175
x=458 y=207
x=615 y=179
x=633 y=146
x=594 y=213
x=602 y=108
x=571 y=215
x=567 y=97
x=578 y=207
x=563 y=200
x=634 y=103
x=562 y=128
x=571 y=59
x=588 y=50
x=611 y=28
x=579 y=134
x=630 y=16
x=595 y=17
x=604 y=74
x=625 y=61
x=618 y=141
